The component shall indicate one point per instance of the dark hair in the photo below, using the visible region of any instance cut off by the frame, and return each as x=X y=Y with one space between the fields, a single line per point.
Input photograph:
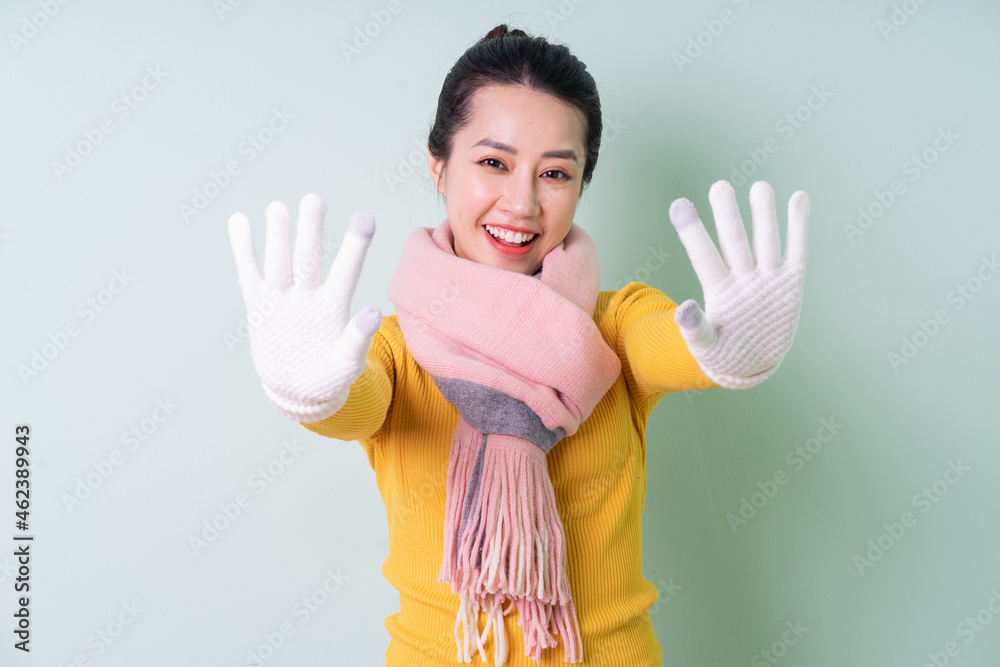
x=514 y=58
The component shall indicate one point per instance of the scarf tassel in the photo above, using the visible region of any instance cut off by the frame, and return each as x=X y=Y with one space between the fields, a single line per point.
x=504 y=542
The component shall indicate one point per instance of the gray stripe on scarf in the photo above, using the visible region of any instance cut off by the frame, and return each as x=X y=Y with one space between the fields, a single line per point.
x=491 y=411
x=473 y=493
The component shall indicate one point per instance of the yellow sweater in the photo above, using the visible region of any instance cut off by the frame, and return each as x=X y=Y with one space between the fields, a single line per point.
x=405 y=426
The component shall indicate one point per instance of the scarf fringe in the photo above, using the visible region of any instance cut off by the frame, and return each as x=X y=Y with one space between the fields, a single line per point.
x=511 y=547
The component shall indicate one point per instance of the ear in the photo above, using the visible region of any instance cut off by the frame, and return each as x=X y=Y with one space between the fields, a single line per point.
x=436 y=168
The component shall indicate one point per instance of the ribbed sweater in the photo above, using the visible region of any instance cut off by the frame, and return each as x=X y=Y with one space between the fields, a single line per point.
x=398 y=415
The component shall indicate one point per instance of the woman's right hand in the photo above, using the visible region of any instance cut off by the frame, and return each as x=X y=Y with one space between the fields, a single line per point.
x=305 y=346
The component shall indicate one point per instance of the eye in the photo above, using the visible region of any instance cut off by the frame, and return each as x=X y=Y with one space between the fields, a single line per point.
x=560 y=174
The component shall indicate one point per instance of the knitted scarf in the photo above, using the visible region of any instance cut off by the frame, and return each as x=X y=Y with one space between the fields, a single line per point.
x=523 y=362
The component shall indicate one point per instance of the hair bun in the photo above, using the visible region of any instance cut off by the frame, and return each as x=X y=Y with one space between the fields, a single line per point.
x=502 y=31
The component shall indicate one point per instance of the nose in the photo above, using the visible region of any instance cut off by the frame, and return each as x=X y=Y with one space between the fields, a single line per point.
x=521 y=196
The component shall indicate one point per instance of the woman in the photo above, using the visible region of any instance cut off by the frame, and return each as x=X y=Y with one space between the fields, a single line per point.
x=505 y=403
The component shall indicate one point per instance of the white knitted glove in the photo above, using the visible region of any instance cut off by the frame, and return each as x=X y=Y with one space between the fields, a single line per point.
x=752 y=305
x=305 y=350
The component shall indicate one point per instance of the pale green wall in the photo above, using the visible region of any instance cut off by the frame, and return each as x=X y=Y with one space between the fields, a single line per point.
x=671 y=130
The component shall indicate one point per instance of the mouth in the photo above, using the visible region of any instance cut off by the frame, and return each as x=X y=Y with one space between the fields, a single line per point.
x=510 y=247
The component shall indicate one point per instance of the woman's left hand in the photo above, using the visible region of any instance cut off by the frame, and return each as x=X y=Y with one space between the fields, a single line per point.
x=752 y=305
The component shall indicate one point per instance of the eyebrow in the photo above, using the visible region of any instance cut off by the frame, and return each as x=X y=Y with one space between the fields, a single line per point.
x=500 y=146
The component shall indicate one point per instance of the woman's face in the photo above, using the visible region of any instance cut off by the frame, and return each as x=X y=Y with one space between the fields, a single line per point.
x=516 y=166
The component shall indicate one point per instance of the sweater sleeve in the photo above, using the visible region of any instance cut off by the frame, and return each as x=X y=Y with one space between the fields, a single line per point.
x=655 y=357
x=370 y=398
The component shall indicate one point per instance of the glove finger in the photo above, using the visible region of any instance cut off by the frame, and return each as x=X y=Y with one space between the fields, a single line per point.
x=694 y=326
x=798 y=230
x=766 y=242
x=247 y=270
x=308 y=261
x=353 y=346
x=338 y=290
x=705 y=259
x=277 y=255
x=729 y=227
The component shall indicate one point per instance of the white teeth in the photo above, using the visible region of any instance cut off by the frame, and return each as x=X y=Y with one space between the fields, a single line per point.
x=509 y=236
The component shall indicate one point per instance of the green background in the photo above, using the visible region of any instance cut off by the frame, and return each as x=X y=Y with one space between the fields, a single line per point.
x=672 y=128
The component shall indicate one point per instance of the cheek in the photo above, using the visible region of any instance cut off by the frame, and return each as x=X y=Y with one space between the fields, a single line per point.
x=560 y=209
x=470 y=197
x=565 y=220
x=479 y=193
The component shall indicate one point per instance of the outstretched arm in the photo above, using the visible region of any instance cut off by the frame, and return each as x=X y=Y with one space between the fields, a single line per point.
x=655 y=357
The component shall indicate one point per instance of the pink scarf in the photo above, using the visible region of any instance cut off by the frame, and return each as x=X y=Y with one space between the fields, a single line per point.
x=524 y=364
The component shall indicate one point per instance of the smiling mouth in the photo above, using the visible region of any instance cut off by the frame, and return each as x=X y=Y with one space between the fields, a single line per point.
x=509 y=248
x=510 y=244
